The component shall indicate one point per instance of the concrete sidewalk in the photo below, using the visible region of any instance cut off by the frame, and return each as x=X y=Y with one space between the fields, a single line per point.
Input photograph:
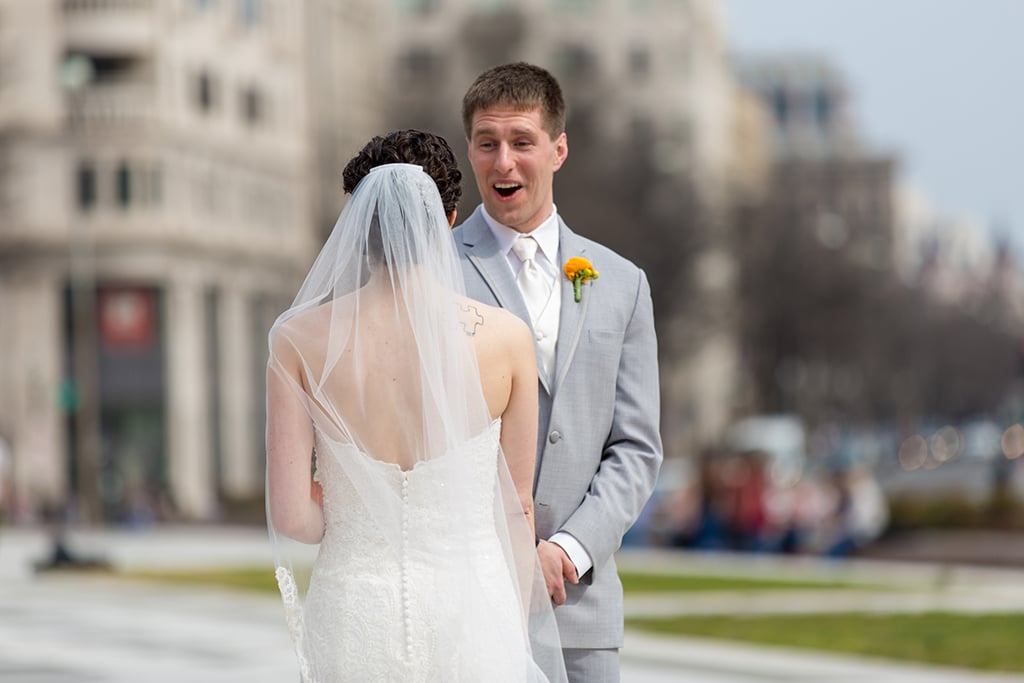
x=70 y=627
x=876 y=587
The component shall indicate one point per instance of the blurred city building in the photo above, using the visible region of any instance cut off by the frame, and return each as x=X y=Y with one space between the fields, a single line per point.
x=957 y=262
x=815 y=245
x=167 y=171
x=810 y=105
x=824 y=177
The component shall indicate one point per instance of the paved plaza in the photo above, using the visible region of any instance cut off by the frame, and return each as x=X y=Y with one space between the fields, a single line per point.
x=64 y=626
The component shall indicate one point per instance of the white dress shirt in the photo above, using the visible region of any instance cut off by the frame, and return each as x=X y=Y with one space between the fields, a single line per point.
x=545 y=321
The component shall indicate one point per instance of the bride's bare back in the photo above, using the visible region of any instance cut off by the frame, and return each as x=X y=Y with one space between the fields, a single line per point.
x=372 y=396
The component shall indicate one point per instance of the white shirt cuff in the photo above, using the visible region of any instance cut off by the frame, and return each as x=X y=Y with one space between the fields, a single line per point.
x=578 y=555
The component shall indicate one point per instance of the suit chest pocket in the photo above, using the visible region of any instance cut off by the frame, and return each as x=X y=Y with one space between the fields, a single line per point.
x=605 y=345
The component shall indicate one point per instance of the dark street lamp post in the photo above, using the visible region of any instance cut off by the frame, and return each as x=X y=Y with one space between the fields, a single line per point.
x=77 y=72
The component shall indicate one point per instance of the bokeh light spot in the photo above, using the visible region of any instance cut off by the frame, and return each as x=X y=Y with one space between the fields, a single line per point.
x=946 y=444
x=1013 y=442
x=913 y=452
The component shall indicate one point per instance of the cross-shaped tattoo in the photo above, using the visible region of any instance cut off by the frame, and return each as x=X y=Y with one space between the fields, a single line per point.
x=469 y=326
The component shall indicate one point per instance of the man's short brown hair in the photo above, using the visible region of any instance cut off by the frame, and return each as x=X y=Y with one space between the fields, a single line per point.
x=523 y=87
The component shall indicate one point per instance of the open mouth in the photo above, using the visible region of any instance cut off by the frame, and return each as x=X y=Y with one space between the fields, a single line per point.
x=506 y=190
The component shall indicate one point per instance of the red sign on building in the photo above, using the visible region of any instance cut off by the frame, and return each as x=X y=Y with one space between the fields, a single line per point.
x=127 y=317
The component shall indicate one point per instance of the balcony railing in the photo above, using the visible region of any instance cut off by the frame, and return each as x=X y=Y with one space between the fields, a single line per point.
x=112 y=106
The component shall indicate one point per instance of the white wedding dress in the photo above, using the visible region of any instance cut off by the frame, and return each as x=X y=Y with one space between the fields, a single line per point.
x=425 y=570
x=386 y=609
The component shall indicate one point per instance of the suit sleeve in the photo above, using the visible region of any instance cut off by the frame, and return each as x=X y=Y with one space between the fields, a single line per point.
x=633 y=452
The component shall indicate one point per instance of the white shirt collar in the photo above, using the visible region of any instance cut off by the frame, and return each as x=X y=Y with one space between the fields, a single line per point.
x=546 y=234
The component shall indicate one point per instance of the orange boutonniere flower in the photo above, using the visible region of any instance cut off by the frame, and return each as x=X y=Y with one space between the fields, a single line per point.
x=579 y=270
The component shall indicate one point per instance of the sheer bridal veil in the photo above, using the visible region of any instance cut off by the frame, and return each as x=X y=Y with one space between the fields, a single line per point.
x=372 y=375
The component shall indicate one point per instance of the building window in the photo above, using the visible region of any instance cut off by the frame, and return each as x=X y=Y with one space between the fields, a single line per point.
x=252 y=105
x=206 y=95
x=112 y=69
x=124 y=185
x=86 y=183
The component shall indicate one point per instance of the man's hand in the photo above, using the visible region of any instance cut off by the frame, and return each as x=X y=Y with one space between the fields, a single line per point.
x=558 y=569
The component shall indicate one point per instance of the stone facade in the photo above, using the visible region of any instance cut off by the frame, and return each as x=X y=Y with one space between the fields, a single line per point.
x=169 y=167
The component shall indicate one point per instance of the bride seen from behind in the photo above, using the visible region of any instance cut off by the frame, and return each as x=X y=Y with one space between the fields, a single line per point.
x=401 y=437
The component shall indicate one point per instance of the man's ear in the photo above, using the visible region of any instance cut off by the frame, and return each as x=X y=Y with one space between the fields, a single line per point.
x=561 y=150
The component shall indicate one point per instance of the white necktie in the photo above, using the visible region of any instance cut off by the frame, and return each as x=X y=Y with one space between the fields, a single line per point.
x=531 y=280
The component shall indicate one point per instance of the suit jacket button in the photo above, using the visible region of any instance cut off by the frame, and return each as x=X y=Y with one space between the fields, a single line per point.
x=554 y=437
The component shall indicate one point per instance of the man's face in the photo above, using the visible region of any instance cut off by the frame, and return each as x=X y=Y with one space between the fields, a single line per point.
x=514 y=161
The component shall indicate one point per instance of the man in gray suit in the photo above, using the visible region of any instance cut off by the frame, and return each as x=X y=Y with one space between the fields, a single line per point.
x=599 y=447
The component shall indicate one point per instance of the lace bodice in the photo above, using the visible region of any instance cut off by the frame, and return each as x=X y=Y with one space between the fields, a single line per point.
x=416 y=494
x=410 y=582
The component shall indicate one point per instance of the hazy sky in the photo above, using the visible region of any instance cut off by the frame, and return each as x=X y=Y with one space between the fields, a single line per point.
x=938 y=82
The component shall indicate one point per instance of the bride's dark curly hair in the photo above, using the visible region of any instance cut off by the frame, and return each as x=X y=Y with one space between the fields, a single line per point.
x=410 y=146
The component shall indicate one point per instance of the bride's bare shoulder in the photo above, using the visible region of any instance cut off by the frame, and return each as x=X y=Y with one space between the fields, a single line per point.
x=306 y=328
x=489 y=322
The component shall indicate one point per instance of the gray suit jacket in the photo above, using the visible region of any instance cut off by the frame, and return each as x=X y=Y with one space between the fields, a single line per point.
x=599 y=446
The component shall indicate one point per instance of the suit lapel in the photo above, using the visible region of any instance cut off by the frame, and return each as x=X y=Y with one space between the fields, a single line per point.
x=492 y=265
x=573 y=313
x=483 y=252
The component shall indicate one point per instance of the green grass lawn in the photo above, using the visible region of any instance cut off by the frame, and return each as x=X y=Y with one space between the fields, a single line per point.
x=262 y=579
x=987 y=641
x=642 y=582
x=253 y=579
